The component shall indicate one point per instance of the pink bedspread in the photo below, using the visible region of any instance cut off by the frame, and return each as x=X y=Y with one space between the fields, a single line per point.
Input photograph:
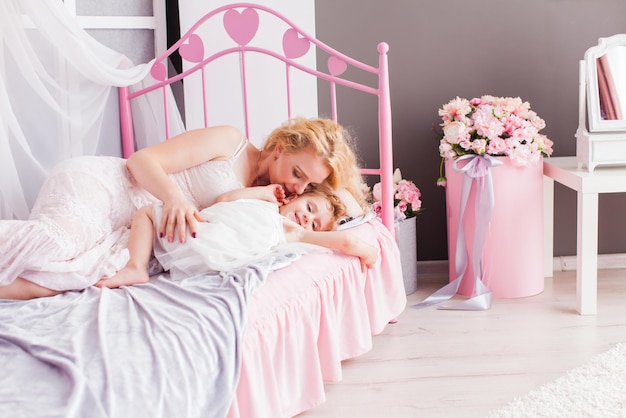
x=310 y=316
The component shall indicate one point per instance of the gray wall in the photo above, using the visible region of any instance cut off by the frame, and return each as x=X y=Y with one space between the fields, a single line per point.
x=447 y=48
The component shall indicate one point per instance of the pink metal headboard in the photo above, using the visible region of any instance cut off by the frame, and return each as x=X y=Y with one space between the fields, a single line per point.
x=293 y=48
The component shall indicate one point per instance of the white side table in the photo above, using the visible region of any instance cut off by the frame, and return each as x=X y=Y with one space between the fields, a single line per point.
x=588 y=186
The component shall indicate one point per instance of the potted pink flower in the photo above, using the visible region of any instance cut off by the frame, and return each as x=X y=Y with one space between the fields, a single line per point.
x=493 y=149
x=406 y=198
x=407 y=203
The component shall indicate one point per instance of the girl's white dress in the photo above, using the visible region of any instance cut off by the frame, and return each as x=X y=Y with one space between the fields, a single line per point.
x=236 y=234
x=77 y=231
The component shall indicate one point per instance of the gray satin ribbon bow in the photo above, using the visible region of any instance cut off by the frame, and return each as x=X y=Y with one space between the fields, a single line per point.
x=476 y=172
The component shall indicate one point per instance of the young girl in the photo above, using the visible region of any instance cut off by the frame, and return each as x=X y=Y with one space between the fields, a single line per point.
x=245 y=225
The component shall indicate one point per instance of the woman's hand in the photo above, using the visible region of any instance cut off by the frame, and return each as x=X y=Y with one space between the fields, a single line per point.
x=177 y=214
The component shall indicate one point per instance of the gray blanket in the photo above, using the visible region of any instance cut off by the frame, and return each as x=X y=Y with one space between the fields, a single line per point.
x=163 y=349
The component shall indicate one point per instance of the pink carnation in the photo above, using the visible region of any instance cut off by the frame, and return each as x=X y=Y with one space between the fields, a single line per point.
x=406 y=197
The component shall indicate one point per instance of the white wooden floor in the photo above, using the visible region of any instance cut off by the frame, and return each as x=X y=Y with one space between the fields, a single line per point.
x=435 y=363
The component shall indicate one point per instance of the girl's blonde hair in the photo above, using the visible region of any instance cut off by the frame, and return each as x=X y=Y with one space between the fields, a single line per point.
x=337 y=206
x=330 y=141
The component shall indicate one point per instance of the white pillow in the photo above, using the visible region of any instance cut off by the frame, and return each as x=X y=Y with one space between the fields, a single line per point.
x=353 y=209
x=351 y=222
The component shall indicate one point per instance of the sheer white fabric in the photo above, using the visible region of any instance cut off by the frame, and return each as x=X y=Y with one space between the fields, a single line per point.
x=55 y=84
x=58 y=99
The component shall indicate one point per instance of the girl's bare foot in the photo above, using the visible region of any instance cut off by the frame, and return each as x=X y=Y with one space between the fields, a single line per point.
x=125 y=277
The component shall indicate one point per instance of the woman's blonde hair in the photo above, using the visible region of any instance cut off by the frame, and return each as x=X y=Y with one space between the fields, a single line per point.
x=330 y=141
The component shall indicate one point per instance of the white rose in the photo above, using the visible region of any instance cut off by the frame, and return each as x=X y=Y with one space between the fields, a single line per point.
x=453 y=132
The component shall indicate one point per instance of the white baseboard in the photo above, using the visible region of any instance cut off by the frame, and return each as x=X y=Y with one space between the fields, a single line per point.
x=438 y=268
x=605 y=261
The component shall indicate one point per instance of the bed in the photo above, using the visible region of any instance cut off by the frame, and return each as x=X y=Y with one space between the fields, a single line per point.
x=259 y=342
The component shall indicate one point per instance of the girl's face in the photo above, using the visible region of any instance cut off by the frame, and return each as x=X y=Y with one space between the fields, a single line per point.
x=310 y=211
x=296 y=171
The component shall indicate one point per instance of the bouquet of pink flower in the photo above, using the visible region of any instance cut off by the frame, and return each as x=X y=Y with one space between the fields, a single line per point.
x=498 y=126
x=406 y=198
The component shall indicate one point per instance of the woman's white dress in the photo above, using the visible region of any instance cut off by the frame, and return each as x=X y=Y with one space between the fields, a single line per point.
x=236 y=234
x=77 y=231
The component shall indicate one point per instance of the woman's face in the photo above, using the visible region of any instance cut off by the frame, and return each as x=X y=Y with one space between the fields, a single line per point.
x=311 y=211
x=296 y=171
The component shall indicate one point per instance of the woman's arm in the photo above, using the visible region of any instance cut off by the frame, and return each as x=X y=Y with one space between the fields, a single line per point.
x=273 y=193
x=343 y=241
x=150 y=167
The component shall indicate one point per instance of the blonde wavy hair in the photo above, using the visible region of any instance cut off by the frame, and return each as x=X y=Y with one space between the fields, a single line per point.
x=330 y=141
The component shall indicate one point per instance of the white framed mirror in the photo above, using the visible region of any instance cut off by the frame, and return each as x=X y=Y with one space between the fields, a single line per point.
x=601 y=134
x=606 y=66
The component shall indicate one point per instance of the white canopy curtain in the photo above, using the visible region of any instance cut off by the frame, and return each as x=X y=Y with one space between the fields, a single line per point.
x=55 y=82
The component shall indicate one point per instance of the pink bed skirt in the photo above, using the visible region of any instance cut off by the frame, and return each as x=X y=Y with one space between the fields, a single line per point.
x=309 y=317
x=513 y=251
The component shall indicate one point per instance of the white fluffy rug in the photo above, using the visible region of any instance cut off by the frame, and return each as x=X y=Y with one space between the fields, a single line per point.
x=596 y=389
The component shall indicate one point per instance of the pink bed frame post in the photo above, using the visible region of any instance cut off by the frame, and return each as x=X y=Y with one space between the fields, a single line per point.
x=385 y=146
x=244 y=87
x=126 y=123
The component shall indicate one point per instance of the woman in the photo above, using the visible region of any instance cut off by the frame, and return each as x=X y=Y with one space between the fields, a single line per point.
x=78 y=229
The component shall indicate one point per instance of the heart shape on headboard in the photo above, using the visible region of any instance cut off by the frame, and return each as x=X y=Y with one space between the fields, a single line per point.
x=158 y=71
x=241 y=27
x=293 y=45
x=193 y=50
x=336 y=66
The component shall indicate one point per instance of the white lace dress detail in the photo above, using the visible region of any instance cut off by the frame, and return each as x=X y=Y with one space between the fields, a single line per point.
x=78 y=228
